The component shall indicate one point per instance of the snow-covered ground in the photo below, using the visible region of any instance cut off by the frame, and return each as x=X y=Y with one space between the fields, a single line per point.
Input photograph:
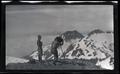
x=105 y=64
x=10 y=59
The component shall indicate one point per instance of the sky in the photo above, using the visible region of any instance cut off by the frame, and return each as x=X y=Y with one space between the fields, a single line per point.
x=25 y=19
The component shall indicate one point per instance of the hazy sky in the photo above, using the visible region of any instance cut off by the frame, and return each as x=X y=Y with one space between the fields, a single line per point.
x=21 y=19
x=28 y=19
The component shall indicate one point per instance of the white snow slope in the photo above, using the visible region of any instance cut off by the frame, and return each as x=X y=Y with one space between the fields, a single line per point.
x=98 y=46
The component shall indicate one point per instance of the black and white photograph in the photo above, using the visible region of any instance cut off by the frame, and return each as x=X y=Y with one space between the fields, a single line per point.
x=59 y=37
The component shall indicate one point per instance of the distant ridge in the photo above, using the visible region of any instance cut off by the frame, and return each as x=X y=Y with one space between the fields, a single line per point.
x=95 y=31
x=72 y=35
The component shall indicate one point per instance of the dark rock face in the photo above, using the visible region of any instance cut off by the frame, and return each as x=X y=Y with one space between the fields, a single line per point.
x=72 y=35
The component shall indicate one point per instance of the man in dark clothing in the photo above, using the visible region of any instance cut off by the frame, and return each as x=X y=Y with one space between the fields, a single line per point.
x=40 y=51
x=58 y=41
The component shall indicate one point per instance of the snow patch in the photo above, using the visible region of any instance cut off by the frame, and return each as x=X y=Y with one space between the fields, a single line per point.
x=10 y=59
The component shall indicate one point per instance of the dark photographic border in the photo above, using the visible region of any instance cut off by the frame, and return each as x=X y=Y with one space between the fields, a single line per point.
x=3 y=38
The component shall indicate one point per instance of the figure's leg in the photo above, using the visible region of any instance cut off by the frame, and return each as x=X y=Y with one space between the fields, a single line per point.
x=56 y=55
x=39 y=56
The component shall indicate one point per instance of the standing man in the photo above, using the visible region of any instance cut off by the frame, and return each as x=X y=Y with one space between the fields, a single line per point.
x=58 y=41
x=40 y=51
